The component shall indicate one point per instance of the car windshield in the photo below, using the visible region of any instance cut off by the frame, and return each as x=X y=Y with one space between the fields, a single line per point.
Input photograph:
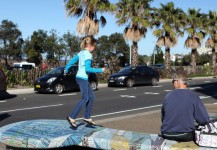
x=55 y=71
x=126 y=70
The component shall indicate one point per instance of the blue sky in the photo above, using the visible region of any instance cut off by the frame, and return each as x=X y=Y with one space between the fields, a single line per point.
x=31 y=15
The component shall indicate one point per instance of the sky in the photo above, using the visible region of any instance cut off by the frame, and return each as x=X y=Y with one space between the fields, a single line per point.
x=31 y=15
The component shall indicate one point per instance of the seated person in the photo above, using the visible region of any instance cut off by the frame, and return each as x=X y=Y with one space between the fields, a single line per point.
x=179 y=110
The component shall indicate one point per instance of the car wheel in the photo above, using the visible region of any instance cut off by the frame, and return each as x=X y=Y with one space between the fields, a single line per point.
x=93 y=85
x=58 y=88
x=130 y=83
x=153 y=81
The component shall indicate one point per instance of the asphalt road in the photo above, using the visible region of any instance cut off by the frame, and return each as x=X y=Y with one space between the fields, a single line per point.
x=110 y=102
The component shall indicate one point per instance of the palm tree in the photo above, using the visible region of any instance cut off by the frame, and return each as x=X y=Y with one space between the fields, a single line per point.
x=211 y=29
x=136 y=14
x=171 y=20
x=87 y=10
x=194 y=28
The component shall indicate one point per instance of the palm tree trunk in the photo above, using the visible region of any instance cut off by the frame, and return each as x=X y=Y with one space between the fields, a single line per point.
x=213 y=61
x=193 y=60
x=167 y=61
x=134 y=54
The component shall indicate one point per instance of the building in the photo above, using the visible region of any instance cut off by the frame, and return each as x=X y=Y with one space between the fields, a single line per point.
x=204 y=50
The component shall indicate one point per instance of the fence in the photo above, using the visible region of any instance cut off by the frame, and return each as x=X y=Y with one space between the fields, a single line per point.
x=27 y=78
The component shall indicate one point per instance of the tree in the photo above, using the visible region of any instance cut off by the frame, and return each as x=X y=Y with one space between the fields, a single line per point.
x=144 y=59
x=157 y=57
x=52 y=48
x=135 y=13
x=167 y=33
x=71 y=44
x=211 y=29
x=88 y=9
x=35 y=46
x=10 y=40
x=111 y=50
x=103 y=50
x=194 y=26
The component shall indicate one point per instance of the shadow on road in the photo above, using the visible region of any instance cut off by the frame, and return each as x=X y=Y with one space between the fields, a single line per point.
x=4 y=116
x=6 y=95
x=208 y=89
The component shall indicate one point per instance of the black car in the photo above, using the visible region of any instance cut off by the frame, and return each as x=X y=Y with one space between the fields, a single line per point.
x=55 y=81
x=134 y=75
x=3 y=85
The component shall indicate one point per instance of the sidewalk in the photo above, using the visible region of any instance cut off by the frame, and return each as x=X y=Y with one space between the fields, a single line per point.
x=147 y=122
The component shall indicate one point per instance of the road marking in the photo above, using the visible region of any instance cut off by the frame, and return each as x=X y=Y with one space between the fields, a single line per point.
x=151 y=93
x=157 y=86
x=128 y=96
x=194 y=88
x=167 y=90
x=119 y=90
x=203 y=97
x=207 y=81
x=3 y=101
x=12 y=110
x=119 y=112
x=68 y=94
x=214 y=103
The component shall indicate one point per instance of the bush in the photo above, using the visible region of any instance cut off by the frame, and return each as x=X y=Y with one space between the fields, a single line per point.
x=23 y=78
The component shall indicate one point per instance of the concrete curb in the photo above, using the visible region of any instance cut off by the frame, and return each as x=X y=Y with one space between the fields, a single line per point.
x=101 y=85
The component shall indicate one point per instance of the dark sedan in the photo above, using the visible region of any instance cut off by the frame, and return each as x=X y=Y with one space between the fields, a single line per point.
x=55 y=81
x=131 y=76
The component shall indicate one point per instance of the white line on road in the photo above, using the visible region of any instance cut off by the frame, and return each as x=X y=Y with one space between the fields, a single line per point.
x=207 y=81
x=68 y=94
x=3 y=101
x=203 y=97
x=128 y=96
x=167 y=90
x=118 y=112
x=157 y=86
x=151 y=93
x=119 y=90
x=30 y=108
x=194 y=88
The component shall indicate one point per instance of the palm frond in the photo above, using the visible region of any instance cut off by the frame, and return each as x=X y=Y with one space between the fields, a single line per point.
x=103 y=21
x=209 y=43
x=161 y=41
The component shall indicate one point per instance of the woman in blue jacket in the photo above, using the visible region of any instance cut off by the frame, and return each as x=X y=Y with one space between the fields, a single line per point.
x=84 y=59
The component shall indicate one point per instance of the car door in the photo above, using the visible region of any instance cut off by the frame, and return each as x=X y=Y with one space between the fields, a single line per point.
x=70 y=79
x=138 y=75
x=148 y=74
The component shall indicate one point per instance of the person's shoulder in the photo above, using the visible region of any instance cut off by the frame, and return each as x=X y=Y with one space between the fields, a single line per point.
x=87 y=53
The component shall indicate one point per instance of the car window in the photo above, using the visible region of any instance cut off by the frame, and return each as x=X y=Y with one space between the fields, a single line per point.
x=27 y=67
x=56 y=71
x=126 y=70
x=149 y=70
x=73 y=70
x=1 y=74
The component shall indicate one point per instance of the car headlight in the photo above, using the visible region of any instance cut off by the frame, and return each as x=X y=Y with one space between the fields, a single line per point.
x=51 y=80
x=121 y=78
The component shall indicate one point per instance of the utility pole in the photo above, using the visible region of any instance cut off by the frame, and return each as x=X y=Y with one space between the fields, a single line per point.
x=154 y=57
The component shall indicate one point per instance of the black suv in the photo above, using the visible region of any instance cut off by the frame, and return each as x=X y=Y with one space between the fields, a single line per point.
x=130 y=76
x=55 y=81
